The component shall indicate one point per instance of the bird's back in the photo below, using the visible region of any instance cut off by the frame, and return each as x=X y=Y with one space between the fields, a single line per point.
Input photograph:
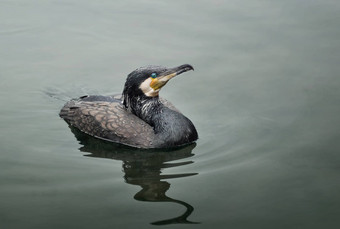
x=106 y=118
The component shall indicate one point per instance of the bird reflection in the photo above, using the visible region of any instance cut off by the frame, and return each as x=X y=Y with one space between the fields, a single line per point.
x=144 y=168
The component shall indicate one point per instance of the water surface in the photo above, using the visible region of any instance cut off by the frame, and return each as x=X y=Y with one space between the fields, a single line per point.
x=264 y=97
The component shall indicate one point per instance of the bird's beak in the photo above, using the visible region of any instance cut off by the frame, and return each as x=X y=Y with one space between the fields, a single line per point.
x=164 y=77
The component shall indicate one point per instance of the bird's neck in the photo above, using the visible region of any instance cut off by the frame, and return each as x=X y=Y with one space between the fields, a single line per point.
x=146 y=108
x=171 y=127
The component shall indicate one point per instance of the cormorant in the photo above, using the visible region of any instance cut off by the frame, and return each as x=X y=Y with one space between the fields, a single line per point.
x=139 y=117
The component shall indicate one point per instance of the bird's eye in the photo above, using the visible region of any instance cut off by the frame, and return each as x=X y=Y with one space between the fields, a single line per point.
x=153 y=75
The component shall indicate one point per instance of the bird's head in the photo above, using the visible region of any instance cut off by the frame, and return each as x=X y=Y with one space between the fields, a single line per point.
x=146 y=82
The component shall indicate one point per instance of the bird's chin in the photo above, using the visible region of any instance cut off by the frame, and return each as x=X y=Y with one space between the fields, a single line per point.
x=152 y=93
x=147 y=89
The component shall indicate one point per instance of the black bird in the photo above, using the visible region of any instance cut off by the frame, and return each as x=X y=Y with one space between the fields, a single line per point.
x=137 y=118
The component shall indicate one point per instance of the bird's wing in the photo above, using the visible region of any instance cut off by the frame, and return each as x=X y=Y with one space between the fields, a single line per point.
x=109 y=121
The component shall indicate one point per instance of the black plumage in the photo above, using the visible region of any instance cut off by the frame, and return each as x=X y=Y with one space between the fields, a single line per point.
x=138 y=117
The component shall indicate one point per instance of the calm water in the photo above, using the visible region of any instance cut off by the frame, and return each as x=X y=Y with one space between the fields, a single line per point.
x=264 y=97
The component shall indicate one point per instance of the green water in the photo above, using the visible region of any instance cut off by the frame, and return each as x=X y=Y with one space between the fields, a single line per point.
x=264 y=98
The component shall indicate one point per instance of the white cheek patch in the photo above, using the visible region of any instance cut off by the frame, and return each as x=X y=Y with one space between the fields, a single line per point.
x=147 y=89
